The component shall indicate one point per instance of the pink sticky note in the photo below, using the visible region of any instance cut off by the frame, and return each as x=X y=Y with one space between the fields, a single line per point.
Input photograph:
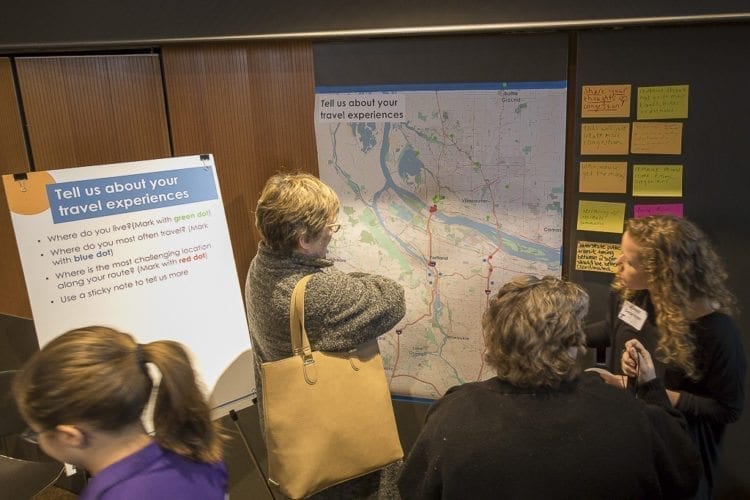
x=658 y=209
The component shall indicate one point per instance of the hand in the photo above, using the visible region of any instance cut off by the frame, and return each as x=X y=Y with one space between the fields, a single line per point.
x=609 y=378
x=636 y=362
x=612 y=379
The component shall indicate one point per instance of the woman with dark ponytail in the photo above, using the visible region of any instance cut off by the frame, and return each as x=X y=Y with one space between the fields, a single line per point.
x=133 y=415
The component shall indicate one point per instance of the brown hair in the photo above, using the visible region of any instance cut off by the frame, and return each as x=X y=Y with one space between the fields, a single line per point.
x=293 y=206
x=681 y=266
x=94 y=375
x=530 y=327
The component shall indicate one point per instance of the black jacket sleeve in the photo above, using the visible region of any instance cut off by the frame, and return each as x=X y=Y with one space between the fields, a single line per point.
x=676 y=458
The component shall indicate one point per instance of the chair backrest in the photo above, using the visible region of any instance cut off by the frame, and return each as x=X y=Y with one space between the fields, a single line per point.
x=10 y=420
x=24 y=479
x=20 y=478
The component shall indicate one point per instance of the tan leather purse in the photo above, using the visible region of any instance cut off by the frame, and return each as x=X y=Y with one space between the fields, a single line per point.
x=328 y=415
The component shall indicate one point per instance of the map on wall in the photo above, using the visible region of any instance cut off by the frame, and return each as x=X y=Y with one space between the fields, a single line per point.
x=451 y=190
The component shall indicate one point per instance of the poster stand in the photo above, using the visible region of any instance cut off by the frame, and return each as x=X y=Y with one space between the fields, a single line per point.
x=235 y=419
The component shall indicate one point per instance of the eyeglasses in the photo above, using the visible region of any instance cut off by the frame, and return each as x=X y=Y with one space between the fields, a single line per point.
x=30 y=436
x=334 y=227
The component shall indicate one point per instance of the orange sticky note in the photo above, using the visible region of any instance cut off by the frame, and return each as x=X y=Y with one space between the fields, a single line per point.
x=663 y=138
x=605 y=138
x=605 y=101
x=603 y=177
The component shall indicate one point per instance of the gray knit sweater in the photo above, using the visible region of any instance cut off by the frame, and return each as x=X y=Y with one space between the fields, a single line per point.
x=342 y=311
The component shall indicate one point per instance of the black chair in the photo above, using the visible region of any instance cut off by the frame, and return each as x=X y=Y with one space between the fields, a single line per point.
x=20 y=478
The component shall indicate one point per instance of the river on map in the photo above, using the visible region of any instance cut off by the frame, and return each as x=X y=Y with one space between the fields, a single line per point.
x=411 y=165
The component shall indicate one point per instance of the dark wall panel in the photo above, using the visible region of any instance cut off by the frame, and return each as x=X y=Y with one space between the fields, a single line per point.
x=34 y=25
x=443 y=59
x=716 y=175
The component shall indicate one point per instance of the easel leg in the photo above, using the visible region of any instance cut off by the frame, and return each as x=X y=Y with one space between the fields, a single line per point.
x=235 y=419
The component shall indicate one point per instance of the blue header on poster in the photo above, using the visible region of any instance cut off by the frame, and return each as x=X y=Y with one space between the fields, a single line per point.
x=92 y=198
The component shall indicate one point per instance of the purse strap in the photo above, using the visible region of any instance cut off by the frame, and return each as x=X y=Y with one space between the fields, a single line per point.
x=300 y=342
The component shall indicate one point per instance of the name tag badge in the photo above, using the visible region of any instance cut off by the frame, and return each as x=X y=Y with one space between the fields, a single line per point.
x=633 y=315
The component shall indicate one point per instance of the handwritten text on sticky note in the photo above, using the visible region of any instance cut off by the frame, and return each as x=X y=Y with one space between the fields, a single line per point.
x=605 y=138
x=605 y=101
x=597 y=256
x=657 y=180
x=663 y=138
x=603 y=177
x=602 y=216
x=663 y=102
x=645 y=210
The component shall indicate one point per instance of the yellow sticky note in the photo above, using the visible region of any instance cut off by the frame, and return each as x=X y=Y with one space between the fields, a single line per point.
x=657 y=180
x=666 y=101
x=602 y=216
x=605 y=138
x=605 y=101
x=603 y=177
x=663 y=138
x=597 y=256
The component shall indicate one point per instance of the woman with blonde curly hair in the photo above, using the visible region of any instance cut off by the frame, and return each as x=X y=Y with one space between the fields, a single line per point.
x=535 y=429
x=671 y=300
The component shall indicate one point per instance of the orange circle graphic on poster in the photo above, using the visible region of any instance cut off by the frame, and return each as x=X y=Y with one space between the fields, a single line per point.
x=28 y=196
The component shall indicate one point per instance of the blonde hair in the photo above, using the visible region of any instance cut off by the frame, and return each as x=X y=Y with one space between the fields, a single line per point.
x=681 y=266
x=293 y=206
x=530 y=327
x=96 y=375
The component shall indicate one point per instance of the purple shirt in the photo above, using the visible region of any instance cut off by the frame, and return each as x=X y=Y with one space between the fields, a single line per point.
x=157 y=473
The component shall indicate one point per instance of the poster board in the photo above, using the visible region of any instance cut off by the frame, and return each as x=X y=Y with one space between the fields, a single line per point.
x=448 y=160
x=142 y=247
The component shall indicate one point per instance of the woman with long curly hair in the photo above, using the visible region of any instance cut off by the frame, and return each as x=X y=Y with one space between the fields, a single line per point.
x=671 y=300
